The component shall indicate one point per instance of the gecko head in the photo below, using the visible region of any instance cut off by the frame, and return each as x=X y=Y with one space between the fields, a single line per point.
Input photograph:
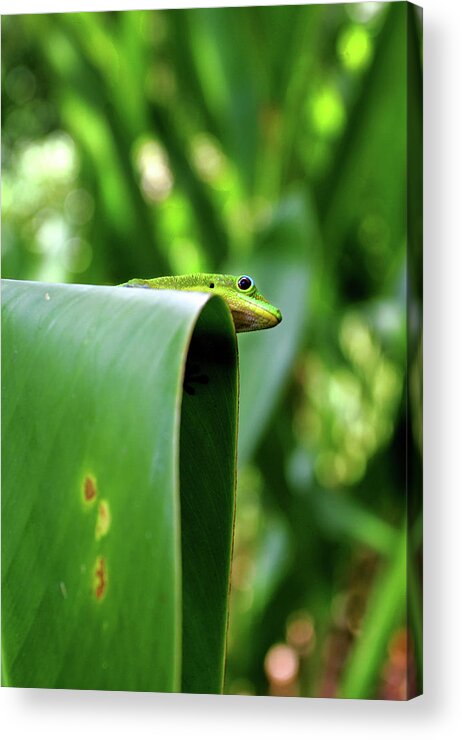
x=250 y=310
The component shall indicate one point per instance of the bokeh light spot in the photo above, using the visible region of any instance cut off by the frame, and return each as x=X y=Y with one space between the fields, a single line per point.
x=156 y=176
x=52 y=234
x=301 y=633
x=281 y=664
x=364 y=12
x=77 y=255
x=354 y=48
x=207 y=157
x=328 y=112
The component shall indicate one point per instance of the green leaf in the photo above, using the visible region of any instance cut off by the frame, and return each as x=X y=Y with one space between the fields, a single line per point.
x=339 y=515
x=112 y=577
x=386 y=610
x=225 y=66
x=281 y=271
x=370 y=165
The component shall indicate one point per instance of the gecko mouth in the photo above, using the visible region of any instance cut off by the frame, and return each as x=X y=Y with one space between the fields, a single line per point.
x=260 y=318
x=271 y=318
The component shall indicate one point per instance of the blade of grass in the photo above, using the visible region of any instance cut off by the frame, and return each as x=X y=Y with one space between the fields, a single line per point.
x=385 y=611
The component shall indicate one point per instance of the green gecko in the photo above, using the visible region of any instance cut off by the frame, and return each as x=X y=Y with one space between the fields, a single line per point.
x=250 y=311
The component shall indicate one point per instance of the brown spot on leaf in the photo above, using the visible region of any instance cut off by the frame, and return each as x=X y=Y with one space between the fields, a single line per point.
x=100 y=578
x=103 y=521
x=89 y=489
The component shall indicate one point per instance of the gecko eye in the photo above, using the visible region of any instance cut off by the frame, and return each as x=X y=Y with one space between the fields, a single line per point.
x=245 y=283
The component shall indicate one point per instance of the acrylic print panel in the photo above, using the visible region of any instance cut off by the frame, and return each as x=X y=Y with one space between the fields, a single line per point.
x=150 y=542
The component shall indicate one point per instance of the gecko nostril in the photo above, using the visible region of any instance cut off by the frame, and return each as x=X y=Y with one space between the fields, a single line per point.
x=212 y=285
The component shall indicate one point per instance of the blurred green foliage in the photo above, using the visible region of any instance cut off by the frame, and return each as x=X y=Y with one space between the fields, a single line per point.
x=273 y=139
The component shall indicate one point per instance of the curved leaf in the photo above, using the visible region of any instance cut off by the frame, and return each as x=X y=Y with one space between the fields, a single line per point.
x=93 y=592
